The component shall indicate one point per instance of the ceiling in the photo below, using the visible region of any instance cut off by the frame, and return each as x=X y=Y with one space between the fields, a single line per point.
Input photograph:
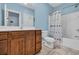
x=55 y=4
x=31 y=5
x=28 y=5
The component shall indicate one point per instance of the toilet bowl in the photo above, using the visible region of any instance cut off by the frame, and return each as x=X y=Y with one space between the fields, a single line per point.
x=47 y=41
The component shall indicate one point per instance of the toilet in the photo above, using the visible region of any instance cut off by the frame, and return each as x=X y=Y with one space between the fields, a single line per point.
x=46 y=40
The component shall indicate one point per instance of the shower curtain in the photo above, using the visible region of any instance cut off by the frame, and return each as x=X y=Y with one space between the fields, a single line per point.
x=56 y=28
x=57 y=25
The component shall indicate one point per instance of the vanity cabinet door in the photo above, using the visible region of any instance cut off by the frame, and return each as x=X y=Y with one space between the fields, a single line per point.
x=17 y=46
x=30 y=42
x=3 y=47
x=38 y=40
x=16 y=43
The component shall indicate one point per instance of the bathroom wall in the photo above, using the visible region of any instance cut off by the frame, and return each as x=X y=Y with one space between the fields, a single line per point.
x=16 y=7
x=1 y=17
x=0 y=14
x=41 y=15
x=70 y=24
x=20 y=8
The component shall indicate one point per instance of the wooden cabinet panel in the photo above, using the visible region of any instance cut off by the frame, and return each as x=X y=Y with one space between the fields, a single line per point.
x=30 y=42
x=38 y=36
x=20 y=42
x=3 y=35
x=3 y=47
x=38 y=41
x=17 y=46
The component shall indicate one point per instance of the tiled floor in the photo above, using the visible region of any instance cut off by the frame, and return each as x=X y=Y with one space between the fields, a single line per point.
x=63 y=51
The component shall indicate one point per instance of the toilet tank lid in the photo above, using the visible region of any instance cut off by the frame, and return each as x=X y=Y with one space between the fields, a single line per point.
x=49 y=39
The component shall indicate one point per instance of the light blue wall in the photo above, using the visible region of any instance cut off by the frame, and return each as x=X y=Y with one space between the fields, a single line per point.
x=41 y=15
x=15 y=7
x=42 y=11
x=1 y=10
x=20 y=8
x=0 y=14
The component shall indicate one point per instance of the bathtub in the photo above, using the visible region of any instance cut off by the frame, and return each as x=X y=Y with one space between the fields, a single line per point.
x=71 y=43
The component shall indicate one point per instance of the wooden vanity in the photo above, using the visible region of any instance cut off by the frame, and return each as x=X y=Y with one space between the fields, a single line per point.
x=23 y=42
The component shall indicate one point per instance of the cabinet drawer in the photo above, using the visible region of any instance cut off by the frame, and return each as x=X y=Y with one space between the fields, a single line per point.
x=3 y=35
x=17 y=34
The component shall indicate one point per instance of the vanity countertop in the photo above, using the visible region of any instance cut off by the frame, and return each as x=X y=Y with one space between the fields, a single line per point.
x=17 y=29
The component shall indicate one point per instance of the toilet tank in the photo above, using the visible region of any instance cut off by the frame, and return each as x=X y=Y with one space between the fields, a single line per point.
x=44 y=33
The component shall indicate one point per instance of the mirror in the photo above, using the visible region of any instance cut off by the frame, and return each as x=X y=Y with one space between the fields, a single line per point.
x=13 y=18
x=9 y=16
